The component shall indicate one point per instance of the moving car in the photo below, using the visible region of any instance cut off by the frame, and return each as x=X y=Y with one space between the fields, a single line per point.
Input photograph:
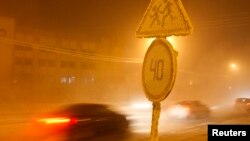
x=77 y=122
x=189 y=110
x=242 y=104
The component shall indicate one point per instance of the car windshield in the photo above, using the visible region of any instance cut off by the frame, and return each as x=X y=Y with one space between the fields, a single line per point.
x=81 y=109
x=243 y=100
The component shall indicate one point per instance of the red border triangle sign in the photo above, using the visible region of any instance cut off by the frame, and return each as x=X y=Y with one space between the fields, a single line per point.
x=165 y=18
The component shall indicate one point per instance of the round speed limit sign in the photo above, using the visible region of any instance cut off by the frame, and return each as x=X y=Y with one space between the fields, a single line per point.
x=159 y=70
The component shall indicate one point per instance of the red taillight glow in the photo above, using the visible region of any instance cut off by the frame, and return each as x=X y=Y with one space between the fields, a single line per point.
x=58 y=120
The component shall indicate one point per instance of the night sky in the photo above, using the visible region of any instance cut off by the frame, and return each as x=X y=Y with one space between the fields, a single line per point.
x=219 y=25
x=117 y=14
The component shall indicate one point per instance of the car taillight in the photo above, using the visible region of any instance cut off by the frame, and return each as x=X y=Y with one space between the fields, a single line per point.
x=58 y=120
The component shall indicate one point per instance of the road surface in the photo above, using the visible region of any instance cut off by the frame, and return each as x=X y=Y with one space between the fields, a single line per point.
x=12 y=125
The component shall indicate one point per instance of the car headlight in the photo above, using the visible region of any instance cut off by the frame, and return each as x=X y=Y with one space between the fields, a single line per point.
x=141 y=106
x=179 y=112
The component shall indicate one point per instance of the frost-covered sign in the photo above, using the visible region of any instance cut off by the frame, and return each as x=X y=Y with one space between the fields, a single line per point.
x=164 y=18
x=159 y=70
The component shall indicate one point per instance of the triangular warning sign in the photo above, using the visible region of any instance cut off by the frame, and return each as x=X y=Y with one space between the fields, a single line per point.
x=164 y=18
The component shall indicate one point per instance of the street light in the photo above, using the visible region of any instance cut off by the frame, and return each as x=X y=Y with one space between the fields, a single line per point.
x=234 y=67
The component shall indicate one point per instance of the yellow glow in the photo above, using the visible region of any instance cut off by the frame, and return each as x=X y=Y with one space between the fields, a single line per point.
x=179 y=112
x=171 y=40
x=234 y=67
x=54 y=120
x=141 y=105
x=174 y=43
x=148 y=41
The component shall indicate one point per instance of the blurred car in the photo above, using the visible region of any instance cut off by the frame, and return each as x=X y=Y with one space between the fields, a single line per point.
x=189 y=110
x=242 y=104
x=77 y=122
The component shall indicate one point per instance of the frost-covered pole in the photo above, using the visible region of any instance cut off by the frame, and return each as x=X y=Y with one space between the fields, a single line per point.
x=162 y=19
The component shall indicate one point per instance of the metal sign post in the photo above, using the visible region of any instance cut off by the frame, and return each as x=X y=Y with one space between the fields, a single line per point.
x=158 y=76
x=163 y=18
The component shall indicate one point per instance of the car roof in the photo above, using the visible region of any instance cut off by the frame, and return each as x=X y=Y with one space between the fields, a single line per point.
x=243 y=99
x=85 y=106
x=81 y=108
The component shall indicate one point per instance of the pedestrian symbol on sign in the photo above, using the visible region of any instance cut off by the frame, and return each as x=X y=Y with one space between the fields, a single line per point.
x=160 y=12
x=164 y=18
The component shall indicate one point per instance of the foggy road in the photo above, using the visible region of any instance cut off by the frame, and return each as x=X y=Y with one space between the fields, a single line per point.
x=56 y=52
x=193 y=130
x=11 y=128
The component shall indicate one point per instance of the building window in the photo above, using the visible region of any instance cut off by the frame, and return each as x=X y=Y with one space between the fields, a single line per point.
x=87 y=65
x=46 y=63
x=68 y=64
x=3 y=33
x=23 y=63
x=68 y=79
